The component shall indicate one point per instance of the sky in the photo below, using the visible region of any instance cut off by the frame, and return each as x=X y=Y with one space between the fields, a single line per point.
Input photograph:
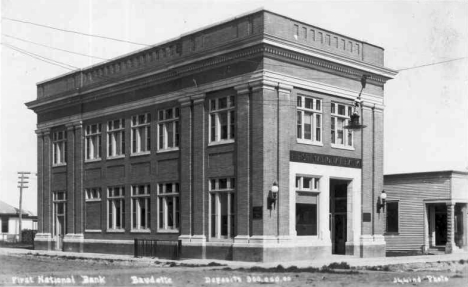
x=426 y=108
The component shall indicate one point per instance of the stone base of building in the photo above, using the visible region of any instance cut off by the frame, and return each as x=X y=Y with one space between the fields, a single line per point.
x=73 y=242
x=372 y=246
x=43 y=241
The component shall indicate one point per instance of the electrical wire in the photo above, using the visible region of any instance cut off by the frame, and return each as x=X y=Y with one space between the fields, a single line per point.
x=41 y=58
x=74 y=32
x=54 y=48
x=432 y=64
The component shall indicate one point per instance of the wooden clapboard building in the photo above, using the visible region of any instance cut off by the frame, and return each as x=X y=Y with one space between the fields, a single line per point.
x=185 y=140
x=427 y=211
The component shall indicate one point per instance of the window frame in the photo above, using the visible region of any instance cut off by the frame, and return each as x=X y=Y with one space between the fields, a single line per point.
x=163 y=123
x=60 y=144
x=115 y=198
x=316 y=114
x=214 y=120
x=315 y=183
x=163 y=209
x=215 y=192
x=93 y=139
x=135 y=203
x=136 y=137
x=335 y=116
x=397 y=202
x=93 y=194
x=112 y=138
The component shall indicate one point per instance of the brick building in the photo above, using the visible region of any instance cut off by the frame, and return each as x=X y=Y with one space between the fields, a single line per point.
x=184 y=140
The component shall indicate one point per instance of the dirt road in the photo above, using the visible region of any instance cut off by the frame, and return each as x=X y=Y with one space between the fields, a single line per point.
x=39 y=270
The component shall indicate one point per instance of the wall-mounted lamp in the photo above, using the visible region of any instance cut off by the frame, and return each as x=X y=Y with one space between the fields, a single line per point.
x=381 y=201
x=354 y=122
x=272 y=196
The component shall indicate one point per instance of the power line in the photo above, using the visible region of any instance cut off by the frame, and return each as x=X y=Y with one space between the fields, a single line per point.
x=74 y=32
x=40 y=58
x=54 y=48
x=431 y=64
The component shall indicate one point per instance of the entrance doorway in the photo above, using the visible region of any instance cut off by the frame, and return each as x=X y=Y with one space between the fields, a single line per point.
x=338 y=215
x=440 y=225
x=59 y=218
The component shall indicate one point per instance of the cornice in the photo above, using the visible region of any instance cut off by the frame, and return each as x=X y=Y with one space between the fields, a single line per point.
x=172 y=73
x=198 y=99
x=242 y=89
x=184 y=102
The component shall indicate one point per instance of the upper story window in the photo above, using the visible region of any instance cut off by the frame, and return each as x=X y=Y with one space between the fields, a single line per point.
x=222 y=208
x=141 y=136
x=93 y=141
x=59 y=148
x=168 y=129
x=93 y=194
x=340 y=137
x=309 y=120
x=222 y=119
x=116 y=138
x=307 y=183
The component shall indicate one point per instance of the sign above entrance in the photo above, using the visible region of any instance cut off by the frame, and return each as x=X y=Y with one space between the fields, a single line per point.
x=297 y=156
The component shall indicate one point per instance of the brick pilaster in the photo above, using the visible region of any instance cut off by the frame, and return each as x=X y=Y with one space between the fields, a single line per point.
x=40 y=181
x=199 y=180
x=46 y=186
x=378 y=143
x=243 y=212
x=367 y=169
x=186 y=197
x=78 y=177
x=283 y=140
x=70 y=216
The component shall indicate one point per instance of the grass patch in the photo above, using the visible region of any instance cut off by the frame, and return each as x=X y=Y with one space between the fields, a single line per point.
x=295 y=269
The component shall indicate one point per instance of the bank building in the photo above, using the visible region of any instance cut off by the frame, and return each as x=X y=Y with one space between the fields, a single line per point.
x=234 y=141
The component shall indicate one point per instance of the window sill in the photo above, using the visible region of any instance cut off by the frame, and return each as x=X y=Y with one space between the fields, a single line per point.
x=221 y=240
x=391 y=233
x=167 y=150
x=221 y=142
x=59 y=164
x=140 y=231
x=93 y=200
x=308 y=191
x=92 y=160
x=115 y=230
x=93 y=230
x=168 y=231
x=342 y=147
x=140 y=154
x=307 y=142
x=115 y=157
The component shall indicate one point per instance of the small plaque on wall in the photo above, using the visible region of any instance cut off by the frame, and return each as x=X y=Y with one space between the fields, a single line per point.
x=257 y=212
x=366 y=217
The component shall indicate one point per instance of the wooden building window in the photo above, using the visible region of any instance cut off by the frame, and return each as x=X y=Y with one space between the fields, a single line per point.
x=392 y=209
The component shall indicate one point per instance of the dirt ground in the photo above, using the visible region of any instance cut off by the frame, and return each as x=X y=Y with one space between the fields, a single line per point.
x=40 y=270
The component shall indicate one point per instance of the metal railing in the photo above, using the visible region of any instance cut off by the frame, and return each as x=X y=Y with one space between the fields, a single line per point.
x=165 y=249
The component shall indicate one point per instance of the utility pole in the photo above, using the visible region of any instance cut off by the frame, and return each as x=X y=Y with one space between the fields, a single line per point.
x=23 y=176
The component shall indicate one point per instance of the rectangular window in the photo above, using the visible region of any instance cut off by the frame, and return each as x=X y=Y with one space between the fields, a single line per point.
x=141 y=136
x=116 y=138
x=307 y=183
x=59 y=148
x=93 y=194
x=5 y=224
x=340 y=137
x=59 y=199
x=93 y=142
x=392 y=216
x=222 y=119
x=168 y=129
x=307 y=188
x=309 y=119
x=168 y=206
x=141 y=212
x=222 y=208
x=116 y=208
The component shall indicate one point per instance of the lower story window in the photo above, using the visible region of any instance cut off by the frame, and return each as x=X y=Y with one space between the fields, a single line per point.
x=141 y=207
x=222 y=214
x=306 y=214
x=116 y=208
x=168 y=206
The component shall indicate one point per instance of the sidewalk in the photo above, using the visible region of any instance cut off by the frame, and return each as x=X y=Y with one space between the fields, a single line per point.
x=352 y=261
